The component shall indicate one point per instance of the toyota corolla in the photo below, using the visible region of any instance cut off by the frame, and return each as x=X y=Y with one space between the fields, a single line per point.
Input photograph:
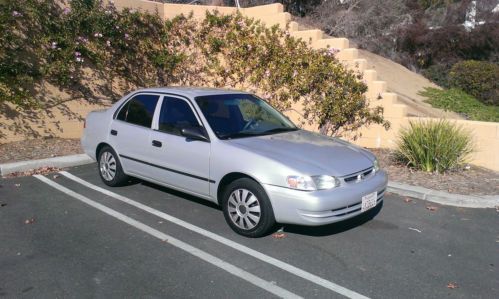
x=234 y=149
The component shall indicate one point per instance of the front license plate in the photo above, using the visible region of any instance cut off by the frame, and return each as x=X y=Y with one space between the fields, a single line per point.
x=369 y=201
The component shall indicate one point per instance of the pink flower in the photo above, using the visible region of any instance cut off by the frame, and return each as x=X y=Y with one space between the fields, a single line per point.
x=108 y=43
x=332 y=51
x=53 y=45
x=66 y=11
x=97 y=34
x=82 y=39
x=127 y=36
x=79 y=59
x=267 y=73
x=16 y=14
x=77 y=54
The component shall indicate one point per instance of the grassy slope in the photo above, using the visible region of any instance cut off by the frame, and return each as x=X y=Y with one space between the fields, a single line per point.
x=460 y=102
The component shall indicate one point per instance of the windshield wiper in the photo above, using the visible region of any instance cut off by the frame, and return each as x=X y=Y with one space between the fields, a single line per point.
x=237 y=135
x=253 y=134
x=279 y=130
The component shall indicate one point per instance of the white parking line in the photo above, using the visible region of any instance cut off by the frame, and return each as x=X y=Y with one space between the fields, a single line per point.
x=244 y=249
x=270 y=287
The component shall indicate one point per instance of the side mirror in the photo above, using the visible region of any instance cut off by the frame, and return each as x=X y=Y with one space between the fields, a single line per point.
x=195 y=133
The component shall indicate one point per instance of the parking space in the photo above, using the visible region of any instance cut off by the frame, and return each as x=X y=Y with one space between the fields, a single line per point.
x=69 y=235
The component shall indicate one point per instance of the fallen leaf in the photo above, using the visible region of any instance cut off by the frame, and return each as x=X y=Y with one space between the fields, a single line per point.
x=432 y=208
x=3 y=204
x=452 y=285
x=17 y=185
x=279 y=235
x=407 y=199
x=29 y=221
x=42 y=170
x=56 y=176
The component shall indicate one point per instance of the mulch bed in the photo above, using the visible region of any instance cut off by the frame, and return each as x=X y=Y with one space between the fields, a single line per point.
x=472 y=181
x=38 y=149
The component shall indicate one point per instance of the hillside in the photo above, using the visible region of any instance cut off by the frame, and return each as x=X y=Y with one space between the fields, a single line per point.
x=399 y=79
x=406 y=84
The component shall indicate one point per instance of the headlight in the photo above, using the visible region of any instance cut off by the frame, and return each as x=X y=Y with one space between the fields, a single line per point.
x=376 y=165
x=312 y=183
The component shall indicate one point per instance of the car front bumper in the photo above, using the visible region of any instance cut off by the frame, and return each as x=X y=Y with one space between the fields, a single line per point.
x=324 y=206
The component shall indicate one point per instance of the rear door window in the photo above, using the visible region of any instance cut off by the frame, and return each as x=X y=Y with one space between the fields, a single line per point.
x=139 y=110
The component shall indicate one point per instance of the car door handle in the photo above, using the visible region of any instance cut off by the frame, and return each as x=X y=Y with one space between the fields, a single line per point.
x=156 y=143
x=114 y=132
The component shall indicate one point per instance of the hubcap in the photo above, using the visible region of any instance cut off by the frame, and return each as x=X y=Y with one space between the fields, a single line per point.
x=244 y=209
x=107 y=166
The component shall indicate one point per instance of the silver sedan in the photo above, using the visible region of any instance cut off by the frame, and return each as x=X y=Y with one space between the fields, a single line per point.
x=233 y=149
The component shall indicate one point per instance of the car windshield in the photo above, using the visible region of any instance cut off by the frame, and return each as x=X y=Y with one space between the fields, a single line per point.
x=242 y=115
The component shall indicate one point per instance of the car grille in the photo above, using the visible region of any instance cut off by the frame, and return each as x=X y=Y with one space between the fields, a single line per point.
x=359 y=176
x=356 y=207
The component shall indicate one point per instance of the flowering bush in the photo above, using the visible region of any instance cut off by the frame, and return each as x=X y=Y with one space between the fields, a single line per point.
x=42 y=41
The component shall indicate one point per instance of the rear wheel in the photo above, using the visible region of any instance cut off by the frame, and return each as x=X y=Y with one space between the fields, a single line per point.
x=110 y=169
x=247 y=208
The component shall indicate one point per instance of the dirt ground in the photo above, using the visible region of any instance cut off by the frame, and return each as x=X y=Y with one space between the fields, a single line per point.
x=38 y=149
x=475 y=180
x=470 y=180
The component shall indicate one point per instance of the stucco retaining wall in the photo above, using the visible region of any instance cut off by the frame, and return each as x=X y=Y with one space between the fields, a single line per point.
x=486 y=134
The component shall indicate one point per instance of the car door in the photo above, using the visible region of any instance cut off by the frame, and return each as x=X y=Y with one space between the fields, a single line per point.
x=130 y=130
x=182 y=162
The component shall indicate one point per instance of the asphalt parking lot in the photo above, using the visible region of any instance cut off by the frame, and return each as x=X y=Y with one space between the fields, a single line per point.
x=72 y=236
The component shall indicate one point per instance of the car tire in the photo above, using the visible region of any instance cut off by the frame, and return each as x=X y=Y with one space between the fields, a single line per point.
x=109 y=167
x=247 y=208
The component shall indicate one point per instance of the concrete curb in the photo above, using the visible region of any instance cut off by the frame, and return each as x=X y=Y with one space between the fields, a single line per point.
x=441 y=197
x=444 y=198
x=61 y=162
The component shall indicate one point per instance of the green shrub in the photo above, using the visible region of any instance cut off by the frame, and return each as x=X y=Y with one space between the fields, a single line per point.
x=433 y=146
x=478 y=78
x=438 y=73
x=44 y=42
x=460 y=102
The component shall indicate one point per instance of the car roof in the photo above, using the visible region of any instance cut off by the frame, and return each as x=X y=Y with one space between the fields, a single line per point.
x=190 y=91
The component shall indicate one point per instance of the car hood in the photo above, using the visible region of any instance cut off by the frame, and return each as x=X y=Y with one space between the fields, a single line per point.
x=309 y=152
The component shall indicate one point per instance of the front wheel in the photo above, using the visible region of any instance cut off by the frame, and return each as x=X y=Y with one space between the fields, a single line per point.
x=110 y=169
x=247 y=208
